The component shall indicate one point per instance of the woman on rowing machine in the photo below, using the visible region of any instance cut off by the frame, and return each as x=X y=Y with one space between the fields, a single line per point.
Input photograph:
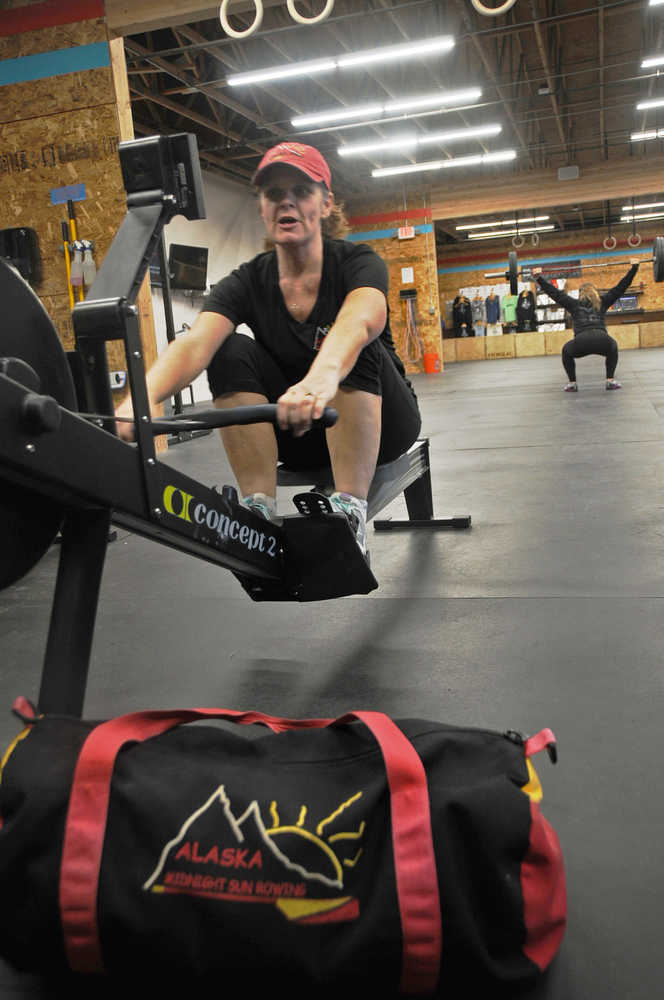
x=317 y=308
x=590 y=334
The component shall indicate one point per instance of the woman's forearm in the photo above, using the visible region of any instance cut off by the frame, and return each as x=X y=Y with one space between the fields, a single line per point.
x=341 y=348
x=176 y=368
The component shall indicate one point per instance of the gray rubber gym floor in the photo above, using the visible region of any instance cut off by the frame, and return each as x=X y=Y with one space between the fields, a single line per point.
x=548 y=612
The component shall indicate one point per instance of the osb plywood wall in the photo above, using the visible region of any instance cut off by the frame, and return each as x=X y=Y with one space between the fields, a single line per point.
x=61 y=130
x=378 y=227
x=465 y=266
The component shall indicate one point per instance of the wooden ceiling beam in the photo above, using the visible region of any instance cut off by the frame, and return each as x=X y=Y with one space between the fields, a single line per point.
x=132 y=17
x=613 y=179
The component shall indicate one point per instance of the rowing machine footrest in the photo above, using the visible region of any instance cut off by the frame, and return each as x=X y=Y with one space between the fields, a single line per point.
x=432 y=523
x=322 y=558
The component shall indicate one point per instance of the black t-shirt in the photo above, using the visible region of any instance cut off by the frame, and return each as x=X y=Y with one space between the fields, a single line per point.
x=251 y=295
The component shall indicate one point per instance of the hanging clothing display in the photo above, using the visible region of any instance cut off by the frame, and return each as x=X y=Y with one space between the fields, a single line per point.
x=462 y=315
x=508 y=304
x=526 y=314
x=479 y=315
x=492 y=308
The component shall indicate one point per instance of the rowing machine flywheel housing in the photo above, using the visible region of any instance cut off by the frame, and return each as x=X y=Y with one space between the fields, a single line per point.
x=30 y=353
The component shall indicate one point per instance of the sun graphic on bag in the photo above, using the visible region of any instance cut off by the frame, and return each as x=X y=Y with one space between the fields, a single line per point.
x=298 y=841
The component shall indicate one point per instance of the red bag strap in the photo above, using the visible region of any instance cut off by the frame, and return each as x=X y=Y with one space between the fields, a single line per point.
x=545 y=739
x=412 y=839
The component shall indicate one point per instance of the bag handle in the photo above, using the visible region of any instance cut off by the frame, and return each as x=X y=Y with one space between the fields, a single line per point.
x=412 y=839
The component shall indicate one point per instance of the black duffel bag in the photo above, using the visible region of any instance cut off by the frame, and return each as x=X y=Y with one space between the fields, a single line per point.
x=354 y=854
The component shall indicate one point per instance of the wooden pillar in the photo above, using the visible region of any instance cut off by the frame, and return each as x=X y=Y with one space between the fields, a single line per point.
x=379 y=227
x=64 y=106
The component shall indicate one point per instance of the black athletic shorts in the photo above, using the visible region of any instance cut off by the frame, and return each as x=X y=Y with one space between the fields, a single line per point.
x=242 y=365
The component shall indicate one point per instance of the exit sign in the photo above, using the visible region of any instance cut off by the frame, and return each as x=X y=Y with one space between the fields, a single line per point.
x=406 y=232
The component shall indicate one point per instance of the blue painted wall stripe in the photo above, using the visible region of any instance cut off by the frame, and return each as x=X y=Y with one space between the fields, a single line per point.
x=496 y=265
x=384 y=234
x=56 y=63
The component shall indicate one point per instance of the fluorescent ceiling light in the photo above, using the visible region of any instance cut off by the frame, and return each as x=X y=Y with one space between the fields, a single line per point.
x=394 y=53
x=635 y=208
x=657 y=102
x=636 y=218
x=441 y=99
x=510 y=232
x=643 y=136
x=471 y=95
x=411 y=141
x=404 y=143
x=652 y=61
x=389 y=53
x=412 y=168
x=342 y=115
x=505 y=222
x=459 y=161
x=282 y=72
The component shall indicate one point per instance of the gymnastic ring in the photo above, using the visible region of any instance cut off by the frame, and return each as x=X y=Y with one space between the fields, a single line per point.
x=252 y=27
x=534 y=239
x=518 y=241
x=610 y=243
x=326 y=11
x=492 y=11
x=634 y=240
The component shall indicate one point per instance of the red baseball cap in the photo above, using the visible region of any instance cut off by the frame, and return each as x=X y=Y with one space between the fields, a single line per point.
x=306 y=159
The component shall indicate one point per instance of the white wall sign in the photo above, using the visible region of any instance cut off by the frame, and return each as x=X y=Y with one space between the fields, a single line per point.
x=407 y=276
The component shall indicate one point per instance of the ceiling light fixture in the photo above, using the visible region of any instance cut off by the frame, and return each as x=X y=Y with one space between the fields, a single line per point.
x=282 y=72
x=411 y=141
x=637 y=218
x=389 y=53
x=655 y=3
x=657 y=102
x=459 y=161
x=468 y=96
x=342 y=115
x=394 y=53
x=655 y=133
x=506 y=222
x=635 y=208
x=510 y=232
x=652 y=61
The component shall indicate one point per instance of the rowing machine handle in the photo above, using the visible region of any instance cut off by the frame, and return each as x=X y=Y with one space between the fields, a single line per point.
x=264 y=413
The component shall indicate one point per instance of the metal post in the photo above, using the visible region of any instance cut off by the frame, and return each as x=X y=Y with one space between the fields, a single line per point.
x=71 y=630
x=168 y=310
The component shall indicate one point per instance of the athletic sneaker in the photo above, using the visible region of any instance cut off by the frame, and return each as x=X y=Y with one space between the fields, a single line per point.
x=612 y=384
x=571 y=387
x=356 y=512
x=260 y=503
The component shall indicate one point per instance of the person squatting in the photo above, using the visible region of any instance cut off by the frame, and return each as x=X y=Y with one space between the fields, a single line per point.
x=590 y=333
